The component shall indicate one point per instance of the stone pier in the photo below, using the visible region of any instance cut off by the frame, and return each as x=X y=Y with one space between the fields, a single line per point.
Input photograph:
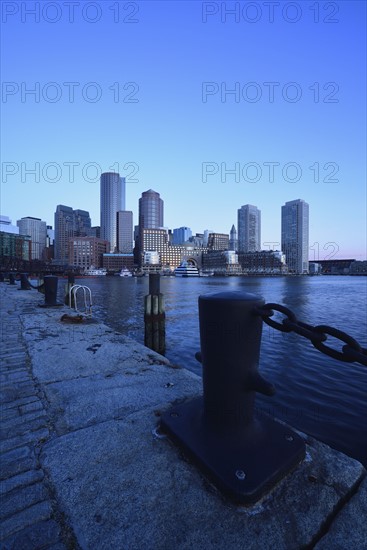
x=83 y=466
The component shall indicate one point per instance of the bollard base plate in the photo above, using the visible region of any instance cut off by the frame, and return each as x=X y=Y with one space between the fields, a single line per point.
x=244 y=463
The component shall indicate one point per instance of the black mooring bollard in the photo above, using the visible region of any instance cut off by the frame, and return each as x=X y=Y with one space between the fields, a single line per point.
x=244 y=452
x=11 y=279
x=50 y=282
x=24 y=283
x=154 y=316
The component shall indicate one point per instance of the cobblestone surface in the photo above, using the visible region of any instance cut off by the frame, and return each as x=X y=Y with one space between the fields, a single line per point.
x=29 y=514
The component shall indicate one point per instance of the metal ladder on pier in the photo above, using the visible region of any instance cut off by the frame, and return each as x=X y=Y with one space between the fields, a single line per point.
x=86 y=299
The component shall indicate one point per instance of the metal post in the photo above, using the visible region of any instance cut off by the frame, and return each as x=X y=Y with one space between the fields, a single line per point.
x=69 y=284
x=50 y=282
x=244 y=452
x=24 y=283
x=154 y=316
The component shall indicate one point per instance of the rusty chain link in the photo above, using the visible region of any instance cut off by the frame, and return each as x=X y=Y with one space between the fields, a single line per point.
x=317 y=335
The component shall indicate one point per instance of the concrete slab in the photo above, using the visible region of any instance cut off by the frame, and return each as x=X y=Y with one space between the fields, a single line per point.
x=98 y=375
x=349 y=528
x=122 y=487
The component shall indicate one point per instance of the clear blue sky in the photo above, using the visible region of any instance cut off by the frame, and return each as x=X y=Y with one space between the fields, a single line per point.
x=299 y=78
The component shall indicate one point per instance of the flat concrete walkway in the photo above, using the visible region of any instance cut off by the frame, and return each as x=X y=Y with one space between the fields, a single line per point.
x=83 y=467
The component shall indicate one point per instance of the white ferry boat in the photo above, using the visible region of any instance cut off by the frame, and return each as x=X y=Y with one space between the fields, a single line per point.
x=186 y=270
x=94 y=272
x=125 y=272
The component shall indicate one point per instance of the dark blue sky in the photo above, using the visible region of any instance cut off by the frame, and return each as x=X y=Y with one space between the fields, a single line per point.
x=145 y=89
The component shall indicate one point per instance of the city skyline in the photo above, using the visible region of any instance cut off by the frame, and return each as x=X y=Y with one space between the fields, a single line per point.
x=314 y=251
x=215 y=110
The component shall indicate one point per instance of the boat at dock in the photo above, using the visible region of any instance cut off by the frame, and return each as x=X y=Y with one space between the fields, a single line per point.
x=125 y=272
x=185 y=269
x=95 y=272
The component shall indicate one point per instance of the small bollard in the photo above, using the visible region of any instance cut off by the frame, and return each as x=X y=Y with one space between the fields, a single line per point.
x=244 y=452
x=154 y=316
x=11 y=279
x=24 y=283
x=69 y=284
x=50 y=283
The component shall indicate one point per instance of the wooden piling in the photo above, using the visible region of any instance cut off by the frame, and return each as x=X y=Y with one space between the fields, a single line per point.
x=154 y=316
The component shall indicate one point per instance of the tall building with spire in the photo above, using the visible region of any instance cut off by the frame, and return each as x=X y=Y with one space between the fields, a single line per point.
x=112 y=201
x=249 y=228
x=295 y=235
x=233 y=243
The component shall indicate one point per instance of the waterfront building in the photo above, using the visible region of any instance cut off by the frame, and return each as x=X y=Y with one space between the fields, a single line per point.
x=249 y=228
x=218 y=241
x=295 y=235
x=336 y=266
x=181 y=235
x=116 y=262
x=233 y=243
x=69 y=223
x=37 y=230
x=358 y=267
x=206 y=236
x=14 y=251
x=85 y=252
x=170 y=256
x=221 y=262
x=263 y=262
x=125 y=231
x=112 y=200
x=151 y=257
x=314 y=268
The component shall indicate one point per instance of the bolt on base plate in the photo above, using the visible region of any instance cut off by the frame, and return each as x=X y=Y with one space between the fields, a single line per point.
x=244 y=463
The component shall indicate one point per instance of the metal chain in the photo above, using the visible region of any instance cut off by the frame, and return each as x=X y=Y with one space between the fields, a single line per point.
x=351 y=351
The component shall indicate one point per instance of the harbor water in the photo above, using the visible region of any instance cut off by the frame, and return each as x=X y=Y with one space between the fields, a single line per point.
x=317 y=394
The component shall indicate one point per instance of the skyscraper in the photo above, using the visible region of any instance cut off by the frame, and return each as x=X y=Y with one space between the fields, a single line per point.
x=69 y=223
x=37 y=230
x=295 y=235
x=150 y=217
x=112 y=201
x=64 y=229
x=249 y=228
x=150 y=210
x=125 y=232
x=181 y=235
